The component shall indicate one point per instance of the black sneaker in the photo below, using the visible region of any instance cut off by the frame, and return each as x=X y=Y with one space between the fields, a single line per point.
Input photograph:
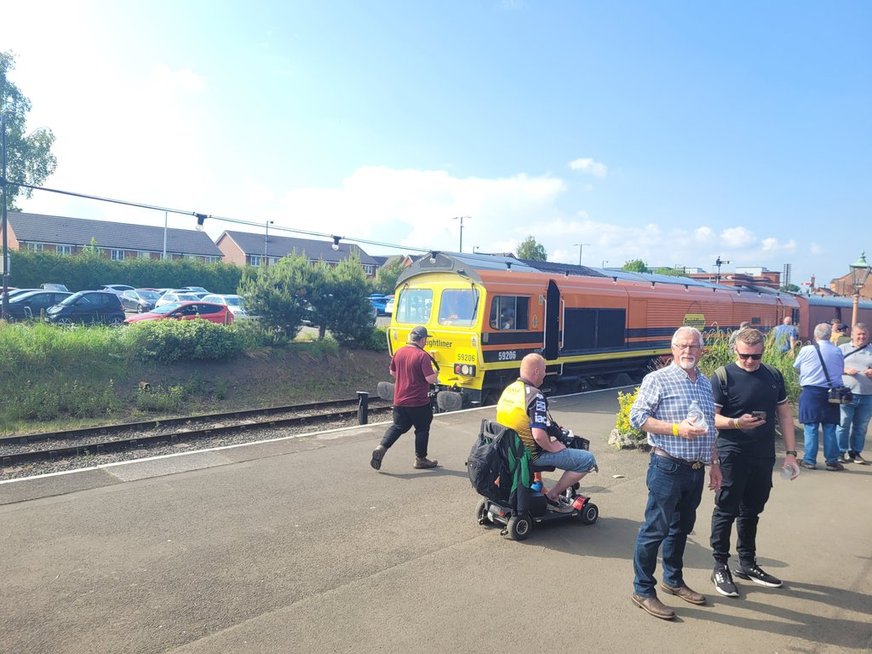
x=756 y=574
x=724 y=581
x=846 y=458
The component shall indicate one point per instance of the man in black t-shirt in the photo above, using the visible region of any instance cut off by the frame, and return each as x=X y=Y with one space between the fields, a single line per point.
x=747 y=397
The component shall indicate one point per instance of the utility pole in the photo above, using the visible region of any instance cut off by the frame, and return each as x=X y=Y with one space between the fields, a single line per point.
x=266 y=243
x=720 y=262
x=164 y=256
x=461 y=219
x=4 y=223
x=580 y=248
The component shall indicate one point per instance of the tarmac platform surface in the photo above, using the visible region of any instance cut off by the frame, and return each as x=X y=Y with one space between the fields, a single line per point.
x=298 y=545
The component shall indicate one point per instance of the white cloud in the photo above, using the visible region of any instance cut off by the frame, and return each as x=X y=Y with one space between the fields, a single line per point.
x=814 y=248
x=704 y=235
x=737 y=237
x=590 y=167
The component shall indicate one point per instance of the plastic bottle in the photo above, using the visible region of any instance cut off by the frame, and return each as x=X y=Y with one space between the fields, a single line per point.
x=696 y=416
x=536 y=487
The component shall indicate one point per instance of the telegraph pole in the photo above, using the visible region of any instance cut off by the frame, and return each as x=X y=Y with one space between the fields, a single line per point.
x=4 y=222
x=461 y=219
x=580 y=248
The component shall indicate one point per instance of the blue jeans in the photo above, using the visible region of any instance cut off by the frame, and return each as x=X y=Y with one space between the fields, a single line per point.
x=851 y=432
x=568 y=459
x=674 y=492
x=810 y=439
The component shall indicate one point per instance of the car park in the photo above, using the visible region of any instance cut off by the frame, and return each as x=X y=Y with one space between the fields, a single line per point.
x=88 y=307
x=176 y=296
x=139 y=300
x=233 y=302
x=31 y=304
x=218 y=313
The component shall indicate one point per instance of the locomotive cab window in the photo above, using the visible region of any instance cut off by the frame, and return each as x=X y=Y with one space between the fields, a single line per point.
x=414 y=306
x=458 y=306
x=509 y=312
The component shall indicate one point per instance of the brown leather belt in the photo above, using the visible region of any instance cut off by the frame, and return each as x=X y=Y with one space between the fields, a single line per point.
x=693 y=465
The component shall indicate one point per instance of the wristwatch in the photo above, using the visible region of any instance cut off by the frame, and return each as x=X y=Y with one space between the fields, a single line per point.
x=790 y=452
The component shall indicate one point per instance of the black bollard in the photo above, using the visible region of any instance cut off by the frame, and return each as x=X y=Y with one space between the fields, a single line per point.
x=362 y=407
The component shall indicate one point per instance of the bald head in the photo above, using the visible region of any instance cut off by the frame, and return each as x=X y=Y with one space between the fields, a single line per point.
x=533 y=368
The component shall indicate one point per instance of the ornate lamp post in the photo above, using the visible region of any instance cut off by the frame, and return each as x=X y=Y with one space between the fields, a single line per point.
x=859 y=274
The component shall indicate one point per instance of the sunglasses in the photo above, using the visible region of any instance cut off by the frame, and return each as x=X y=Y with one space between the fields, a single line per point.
x=744 y=356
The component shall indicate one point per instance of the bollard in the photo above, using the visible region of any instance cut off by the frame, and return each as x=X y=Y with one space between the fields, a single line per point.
x=362 y=407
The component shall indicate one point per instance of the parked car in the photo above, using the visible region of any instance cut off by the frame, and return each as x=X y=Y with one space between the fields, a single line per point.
x=233 y=302
x=49 y=286
x=139 y=299
x=389 y=306
x=379 y=302
x=174 y=297
x=210 y=311
x=13 y=292
x=87 y=307
x=31 y=304
x=195 y=289
x=118 y=289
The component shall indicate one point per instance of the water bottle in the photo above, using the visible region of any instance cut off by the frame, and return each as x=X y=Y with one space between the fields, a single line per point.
x=696 y=416
x=536 y=487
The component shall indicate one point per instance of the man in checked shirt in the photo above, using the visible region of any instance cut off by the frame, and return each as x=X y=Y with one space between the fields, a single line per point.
x=682 y=447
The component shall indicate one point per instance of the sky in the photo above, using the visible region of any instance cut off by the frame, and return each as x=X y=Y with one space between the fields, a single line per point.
x=676 y=132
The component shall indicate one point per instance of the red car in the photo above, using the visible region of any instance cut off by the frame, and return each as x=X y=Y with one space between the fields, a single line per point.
x=219 y=313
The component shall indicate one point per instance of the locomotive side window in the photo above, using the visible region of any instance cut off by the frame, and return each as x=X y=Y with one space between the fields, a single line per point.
x=510 y=312
x=458 y=306
x=414 y=306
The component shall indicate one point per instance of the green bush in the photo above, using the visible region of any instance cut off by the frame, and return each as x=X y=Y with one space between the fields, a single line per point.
x=624 y=435
x=182 y=340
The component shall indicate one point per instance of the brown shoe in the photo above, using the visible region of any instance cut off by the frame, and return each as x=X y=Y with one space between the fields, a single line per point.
x=425 y=463
x=685 y=593
x=653 y=606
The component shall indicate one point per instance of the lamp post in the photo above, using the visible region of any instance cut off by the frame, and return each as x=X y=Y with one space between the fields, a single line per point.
x=859 y=274
x=580 y=248
x=4 y=223
x=461 y=219
x=266 y=243
x=605 y=261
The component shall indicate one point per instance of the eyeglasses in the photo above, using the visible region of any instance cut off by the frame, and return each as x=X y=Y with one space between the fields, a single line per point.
x=744 y=356
x=686 y=346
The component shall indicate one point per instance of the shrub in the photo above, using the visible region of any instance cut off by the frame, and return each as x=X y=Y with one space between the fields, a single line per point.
x=624 y=435
x=184 y=340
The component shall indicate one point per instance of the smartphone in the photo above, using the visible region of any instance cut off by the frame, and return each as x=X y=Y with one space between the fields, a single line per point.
x=760 y=415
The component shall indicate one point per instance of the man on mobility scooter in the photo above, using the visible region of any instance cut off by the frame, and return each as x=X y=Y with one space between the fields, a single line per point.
x=524 y=439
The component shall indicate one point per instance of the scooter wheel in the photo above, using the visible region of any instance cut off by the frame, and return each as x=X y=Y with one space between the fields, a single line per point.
x=589 y=514
x=481 y=513
x=519 y=527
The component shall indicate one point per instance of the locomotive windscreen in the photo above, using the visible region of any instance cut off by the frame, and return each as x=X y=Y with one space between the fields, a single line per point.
x=593 y=329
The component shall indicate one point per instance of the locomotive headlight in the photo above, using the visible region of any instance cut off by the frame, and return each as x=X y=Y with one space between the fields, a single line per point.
x=465 y=369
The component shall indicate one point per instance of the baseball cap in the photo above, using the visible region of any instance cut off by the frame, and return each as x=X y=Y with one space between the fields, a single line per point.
x=418 y=333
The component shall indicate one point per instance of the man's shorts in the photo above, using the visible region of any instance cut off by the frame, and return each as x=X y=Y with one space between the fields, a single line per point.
x=568 y=459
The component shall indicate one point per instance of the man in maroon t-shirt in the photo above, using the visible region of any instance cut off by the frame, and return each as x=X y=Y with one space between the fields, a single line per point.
x=413 y=369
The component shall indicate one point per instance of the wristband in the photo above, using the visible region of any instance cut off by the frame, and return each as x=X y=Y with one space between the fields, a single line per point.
x=675 y=429
x=735 y=423
x=790 y=452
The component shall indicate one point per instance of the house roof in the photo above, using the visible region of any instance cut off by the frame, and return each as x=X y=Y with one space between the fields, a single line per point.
x=40 y=228
x=279 y=246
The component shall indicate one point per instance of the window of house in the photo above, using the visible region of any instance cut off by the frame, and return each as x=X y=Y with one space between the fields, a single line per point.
x=35 y=247
x=254 y=259
x=510 y=312
x=144 y=255
x=458 y=306
x=414 y=306
x=116 y=255
x=64 y=249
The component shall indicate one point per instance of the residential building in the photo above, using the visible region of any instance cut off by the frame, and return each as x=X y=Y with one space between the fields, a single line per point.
x=251 y=249
x=115 y=240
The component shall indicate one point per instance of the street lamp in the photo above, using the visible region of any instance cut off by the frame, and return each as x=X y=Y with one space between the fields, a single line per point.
x=461 y=219
x=266 y=243
x=605 y=261
x=580 y=248
x=859 y=274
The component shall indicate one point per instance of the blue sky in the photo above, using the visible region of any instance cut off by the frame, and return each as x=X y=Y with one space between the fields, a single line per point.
x=674 y=132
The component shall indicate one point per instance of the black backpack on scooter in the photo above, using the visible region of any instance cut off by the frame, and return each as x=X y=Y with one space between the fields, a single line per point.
x=498 y=463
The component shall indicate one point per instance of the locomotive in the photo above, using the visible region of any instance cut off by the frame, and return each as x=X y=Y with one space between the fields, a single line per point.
x=595 y=327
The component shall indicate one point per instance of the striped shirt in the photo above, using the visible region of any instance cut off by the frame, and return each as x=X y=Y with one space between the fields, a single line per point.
x=666 y=394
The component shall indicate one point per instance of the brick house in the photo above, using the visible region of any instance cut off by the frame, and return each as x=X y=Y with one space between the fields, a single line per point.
x=115 y=240
x=251 y=249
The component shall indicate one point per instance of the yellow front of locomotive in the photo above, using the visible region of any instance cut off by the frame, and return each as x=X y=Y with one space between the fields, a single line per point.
x=451 y=307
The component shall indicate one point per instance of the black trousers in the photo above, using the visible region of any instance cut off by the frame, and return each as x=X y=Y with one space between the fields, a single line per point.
x=406 y=417
x=744 y=492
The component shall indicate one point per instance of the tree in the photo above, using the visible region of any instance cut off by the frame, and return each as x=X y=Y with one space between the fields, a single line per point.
x=340 y=303
x=790 y=288
x=531 y=250
x=386 y=277
x=672 y=272
x=29 y=158
x=635 y=265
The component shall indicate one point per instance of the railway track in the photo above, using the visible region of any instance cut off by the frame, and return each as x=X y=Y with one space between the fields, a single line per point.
x=31 y=448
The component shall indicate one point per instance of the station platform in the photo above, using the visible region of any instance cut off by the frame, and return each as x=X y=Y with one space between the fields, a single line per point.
x=297 y=545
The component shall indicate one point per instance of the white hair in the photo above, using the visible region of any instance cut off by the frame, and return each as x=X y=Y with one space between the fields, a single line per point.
x=688 y=330
x=823 y=331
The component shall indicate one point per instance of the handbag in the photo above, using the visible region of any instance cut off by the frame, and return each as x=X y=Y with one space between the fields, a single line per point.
x=837 y=394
